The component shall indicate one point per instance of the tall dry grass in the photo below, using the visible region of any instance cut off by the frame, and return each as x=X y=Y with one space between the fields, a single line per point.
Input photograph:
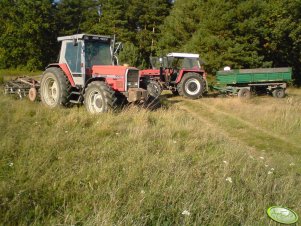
x=266 y=117
x=278 y=116
x=135 y=167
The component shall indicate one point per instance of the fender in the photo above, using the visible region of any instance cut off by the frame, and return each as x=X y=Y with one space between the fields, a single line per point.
x=94 y=79
x=66 y=70
x=182 y=72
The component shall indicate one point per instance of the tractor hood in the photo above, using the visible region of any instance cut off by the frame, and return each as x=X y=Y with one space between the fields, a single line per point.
x=110 y=70
x=120 y=78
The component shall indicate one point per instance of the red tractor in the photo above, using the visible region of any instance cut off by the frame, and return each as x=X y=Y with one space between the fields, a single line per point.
x=182 y=73
x=86 y=74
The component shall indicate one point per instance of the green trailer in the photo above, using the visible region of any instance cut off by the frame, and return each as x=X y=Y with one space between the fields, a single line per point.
x=244 y=82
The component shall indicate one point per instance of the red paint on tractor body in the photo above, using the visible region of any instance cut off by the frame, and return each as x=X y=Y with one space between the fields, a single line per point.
x=155 y=73
x=184 y=71
x=115 y=76
x=150 y=72
x=66 y=71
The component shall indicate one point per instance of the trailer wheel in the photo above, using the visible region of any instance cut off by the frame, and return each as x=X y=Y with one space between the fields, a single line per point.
x=191 y=86
x=244 y=93
x=32 y=94
x=54 y=88
x=154 y=88
x=99 y=98
x=278 y=93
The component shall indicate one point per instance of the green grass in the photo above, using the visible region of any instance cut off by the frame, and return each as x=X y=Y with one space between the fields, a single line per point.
x=137 y=167
x=6 y=74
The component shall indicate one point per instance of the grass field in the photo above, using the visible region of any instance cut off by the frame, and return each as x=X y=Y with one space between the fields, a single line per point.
x=7 y=74
x=212 y=161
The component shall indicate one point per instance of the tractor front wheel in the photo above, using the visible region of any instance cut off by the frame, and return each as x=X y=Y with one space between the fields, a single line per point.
x=191 y=86
x=99 y=98
x=54 y=88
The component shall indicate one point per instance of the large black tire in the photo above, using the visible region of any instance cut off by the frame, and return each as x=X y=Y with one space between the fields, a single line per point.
x=244 y=93
x=54 y=88
x=154 y=88
x=279 y=93
x=191 y=86
x=99 y=98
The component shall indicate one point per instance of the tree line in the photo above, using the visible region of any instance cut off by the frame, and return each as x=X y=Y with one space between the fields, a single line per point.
x=236 y=33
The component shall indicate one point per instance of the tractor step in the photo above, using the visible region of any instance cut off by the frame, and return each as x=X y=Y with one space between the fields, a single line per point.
x=75 y=97
x=75 y=101
x=75 y=93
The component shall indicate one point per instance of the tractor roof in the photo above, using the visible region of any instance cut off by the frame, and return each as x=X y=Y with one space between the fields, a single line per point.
x=85 y=36
x=187 y=55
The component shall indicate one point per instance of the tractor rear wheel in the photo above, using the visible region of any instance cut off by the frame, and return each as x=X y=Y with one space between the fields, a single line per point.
x=54 y=88
x=154 y=88
x=244 y=93
x=99 y=97
x=191 y=86
x=279 y=93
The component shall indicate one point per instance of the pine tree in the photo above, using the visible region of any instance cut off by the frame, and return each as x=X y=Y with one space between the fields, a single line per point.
x=180 y=25
x=112 y=20
x=26 y=35
x=229 y=34
x=146 y=17
x=76 y=16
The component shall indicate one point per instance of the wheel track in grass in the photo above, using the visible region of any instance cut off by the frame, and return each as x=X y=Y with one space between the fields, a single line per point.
x=250 y=124
x=238 y=128
x=251 y=151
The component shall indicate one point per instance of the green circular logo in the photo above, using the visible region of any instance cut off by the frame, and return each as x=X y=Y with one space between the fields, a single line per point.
x=282 y=215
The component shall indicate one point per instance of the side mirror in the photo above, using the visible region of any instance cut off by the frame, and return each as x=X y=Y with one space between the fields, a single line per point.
x=161 y=62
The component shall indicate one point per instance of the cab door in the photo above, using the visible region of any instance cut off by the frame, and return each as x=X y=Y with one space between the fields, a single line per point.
x=74 y=59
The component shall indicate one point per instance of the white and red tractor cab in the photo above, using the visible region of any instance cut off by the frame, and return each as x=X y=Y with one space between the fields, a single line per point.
x=85 y=73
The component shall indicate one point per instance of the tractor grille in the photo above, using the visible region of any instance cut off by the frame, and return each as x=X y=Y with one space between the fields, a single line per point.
x=132 y=78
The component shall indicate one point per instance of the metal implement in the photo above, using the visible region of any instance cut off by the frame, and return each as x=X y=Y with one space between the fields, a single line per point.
x=23 y=87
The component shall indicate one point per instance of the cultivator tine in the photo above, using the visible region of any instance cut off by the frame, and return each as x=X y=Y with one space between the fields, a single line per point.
x=20 y=86
x=152 y=103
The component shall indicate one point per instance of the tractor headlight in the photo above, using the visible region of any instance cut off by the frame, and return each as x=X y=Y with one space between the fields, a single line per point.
x=130 y=84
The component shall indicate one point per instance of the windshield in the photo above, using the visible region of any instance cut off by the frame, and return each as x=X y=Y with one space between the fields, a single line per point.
x=97 y=53
x=185 y=63
x=156 y=64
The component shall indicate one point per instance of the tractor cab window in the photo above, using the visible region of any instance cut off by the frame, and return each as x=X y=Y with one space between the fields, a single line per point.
x=156 y=64
x=97 y=53
x=191 y=63
x=73 y=56
x=187 y=63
